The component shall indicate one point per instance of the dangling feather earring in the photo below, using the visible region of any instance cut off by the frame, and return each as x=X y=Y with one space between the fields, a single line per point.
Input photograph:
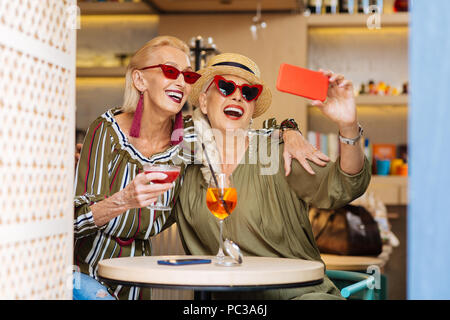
x=136 y=125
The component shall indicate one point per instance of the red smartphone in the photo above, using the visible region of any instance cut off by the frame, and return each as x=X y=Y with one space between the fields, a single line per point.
x=302 y=82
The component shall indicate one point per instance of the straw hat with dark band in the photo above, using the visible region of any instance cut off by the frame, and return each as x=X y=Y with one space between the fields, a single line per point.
x=233 y=64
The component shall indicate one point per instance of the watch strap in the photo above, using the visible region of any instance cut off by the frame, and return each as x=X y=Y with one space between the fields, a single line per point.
x=351 y=141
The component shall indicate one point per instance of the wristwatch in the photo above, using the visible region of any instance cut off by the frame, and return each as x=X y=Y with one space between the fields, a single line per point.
x=288 y=124
x=354 y=140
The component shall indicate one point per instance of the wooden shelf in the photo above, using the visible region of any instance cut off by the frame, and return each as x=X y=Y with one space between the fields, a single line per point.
x=373 y=100
x=356 y=20
x=101 y=72
x=392 y=190
x=376 y=100
x=103 y=8
x=397 y=180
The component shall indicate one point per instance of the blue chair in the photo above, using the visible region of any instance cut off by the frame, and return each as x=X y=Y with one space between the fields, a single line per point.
x=355 y=285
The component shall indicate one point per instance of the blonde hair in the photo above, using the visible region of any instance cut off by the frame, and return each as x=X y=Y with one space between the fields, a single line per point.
x=131 y=95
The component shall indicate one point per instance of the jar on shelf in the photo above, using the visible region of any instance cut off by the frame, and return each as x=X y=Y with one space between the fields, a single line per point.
x=401 y=6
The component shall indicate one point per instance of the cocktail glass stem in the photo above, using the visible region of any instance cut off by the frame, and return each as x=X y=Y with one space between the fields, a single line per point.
x=220 y=255
x=159 y=201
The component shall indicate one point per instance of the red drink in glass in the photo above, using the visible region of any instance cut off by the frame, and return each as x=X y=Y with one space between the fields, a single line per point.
x=172 y=173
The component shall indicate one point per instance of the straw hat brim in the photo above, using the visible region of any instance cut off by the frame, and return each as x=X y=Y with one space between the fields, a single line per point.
x=262 y=103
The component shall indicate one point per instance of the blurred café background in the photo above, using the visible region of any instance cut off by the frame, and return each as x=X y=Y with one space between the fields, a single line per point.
x=368 y=41
x=272 y=32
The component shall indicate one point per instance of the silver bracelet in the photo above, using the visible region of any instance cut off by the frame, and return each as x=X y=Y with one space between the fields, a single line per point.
x=354 y=140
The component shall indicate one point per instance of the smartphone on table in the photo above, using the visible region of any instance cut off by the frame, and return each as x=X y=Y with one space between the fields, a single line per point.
x=302 y=82
x=180 y=262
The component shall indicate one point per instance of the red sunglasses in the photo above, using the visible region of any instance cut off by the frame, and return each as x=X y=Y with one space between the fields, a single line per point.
x=171 y=72
x=228 y=87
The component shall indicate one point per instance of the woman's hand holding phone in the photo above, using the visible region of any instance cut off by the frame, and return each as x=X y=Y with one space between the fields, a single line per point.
x=330 y=92
x=340 y=104
x=333 y=95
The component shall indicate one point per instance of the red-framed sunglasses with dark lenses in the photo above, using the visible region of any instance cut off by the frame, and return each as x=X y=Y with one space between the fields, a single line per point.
x=171 y=72
x=228 y=87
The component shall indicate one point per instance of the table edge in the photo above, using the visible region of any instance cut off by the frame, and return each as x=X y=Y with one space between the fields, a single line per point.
x=213 y=288
x=106 y=270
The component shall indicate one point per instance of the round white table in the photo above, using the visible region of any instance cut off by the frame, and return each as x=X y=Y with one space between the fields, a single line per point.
x=255 y=273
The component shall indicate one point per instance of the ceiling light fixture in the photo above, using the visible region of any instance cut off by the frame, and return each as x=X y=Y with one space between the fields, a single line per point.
x=257 y=23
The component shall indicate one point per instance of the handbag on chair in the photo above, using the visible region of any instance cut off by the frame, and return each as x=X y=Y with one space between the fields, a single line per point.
x=350 y=230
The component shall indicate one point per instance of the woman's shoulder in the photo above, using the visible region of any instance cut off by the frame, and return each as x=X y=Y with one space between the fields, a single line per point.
x=107 y=117
x=123 y=120
x=193 y=179
x=103 y=125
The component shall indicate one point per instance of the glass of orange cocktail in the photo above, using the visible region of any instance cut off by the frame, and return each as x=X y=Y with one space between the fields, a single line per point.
x=221 y=199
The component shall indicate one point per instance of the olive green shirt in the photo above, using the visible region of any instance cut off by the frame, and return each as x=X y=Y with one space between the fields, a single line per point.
x=271 y=216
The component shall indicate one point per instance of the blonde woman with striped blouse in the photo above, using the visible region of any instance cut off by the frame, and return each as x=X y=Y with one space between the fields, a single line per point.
x=111 y=191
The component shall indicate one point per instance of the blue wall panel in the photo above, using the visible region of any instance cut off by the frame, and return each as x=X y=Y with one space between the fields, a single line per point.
x=429 y=145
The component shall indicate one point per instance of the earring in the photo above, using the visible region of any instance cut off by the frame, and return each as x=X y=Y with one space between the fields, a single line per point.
x=177 y=129
x=136 y=125
x=250 y=130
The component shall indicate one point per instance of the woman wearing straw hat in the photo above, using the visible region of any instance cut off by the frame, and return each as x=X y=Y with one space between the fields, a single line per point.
x=112 y=191
x=271 y=215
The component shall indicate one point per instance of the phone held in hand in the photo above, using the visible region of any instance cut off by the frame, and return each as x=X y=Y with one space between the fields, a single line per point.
x=302 y=82
x=180 y=262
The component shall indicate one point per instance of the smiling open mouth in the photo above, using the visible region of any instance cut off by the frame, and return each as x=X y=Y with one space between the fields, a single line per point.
x=176 y=96
x=233 y=112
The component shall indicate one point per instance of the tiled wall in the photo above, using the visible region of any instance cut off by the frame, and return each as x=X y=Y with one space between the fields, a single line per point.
x=37 y=112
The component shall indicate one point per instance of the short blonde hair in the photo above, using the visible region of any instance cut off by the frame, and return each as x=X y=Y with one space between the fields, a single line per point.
x=131 y=95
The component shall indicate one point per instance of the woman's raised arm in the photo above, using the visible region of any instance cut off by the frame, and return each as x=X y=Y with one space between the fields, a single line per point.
x=340 y=108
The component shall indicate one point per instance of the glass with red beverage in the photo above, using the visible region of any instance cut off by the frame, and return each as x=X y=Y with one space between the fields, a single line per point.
x=172 y=173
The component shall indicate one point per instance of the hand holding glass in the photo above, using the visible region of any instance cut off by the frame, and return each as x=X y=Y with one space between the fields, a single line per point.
x=172 y=173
